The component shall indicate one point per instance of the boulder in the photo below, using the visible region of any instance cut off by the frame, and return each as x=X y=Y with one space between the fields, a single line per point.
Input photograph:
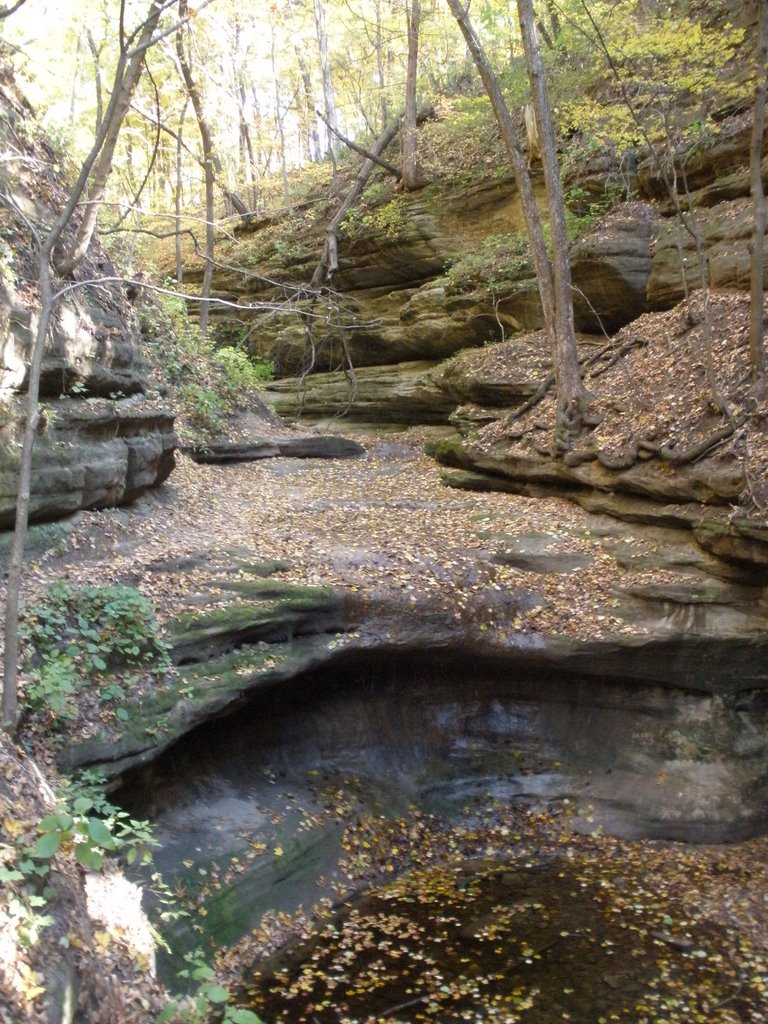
x=251 y=436
x=610 y=268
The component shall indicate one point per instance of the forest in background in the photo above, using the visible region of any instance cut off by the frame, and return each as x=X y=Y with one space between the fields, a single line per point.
x=272 y=86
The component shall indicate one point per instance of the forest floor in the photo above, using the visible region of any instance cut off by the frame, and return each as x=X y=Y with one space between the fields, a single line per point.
x=384 y=527
x=675 y=384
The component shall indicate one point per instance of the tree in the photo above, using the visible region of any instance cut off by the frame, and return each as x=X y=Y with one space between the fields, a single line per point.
x=411 y=170
x=571 y=394
x=95 y=168
x=329 y=93
x=209 y=158
x=6 y=12
x=570 y=390
x=757 y=331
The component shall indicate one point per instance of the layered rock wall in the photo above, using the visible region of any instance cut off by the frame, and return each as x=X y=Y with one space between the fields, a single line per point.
x=397 y=300
x=101 y=441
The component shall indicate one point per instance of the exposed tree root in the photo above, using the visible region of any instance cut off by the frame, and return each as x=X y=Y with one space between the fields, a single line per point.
x=697 y=451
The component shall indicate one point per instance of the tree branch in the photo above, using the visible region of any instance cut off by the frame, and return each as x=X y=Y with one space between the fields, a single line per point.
x=360 y=149
x=8 y=11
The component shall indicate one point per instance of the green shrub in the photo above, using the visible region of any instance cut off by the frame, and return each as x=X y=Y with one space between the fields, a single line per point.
x=77 y=636
x=203 y=407
x=84 y=822
x=493 y=268
x=206 y=381
x=242 y=373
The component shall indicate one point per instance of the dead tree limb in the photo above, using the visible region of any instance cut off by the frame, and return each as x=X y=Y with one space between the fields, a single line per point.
x=329 y=261
x=366 y=153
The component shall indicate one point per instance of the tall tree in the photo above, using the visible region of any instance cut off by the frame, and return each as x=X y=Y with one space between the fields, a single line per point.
x=411 y=170
x=757 y=330
x=209 y=165
x=97 y=167
x=571 y=394
x=329 y=93
x=8 y=11
x=380 y=76
x=570 y=390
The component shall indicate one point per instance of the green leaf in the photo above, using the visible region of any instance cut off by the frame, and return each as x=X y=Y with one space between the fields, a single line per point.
x=237 y=1016
x=99 y=663
x=88 y=857
x=122 y=714
x=82 y=804
x=100 y=834
x=46 y=845
x=60 y=821
x=215 y=993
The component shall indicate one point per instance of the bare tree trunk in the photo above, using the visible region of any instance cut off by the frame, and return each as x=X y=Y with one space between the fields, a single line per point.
x=380 y=69
x=96 y=54
x=411 y=171
x=571 y=394
x=75 y=82
x=517 y=159
x=329 y=95
x=6 y=12
x=129 y=67
x=252 y=168
x=209 y=166
x=177 y=193
x=757 y=330
x=312 y=135
x=10 y=704
x=279 y=119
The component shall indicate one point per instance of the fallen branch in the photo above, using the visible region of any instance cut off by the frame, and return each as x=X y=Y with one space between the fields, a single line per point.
x=367 y=153
x=329 y=261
